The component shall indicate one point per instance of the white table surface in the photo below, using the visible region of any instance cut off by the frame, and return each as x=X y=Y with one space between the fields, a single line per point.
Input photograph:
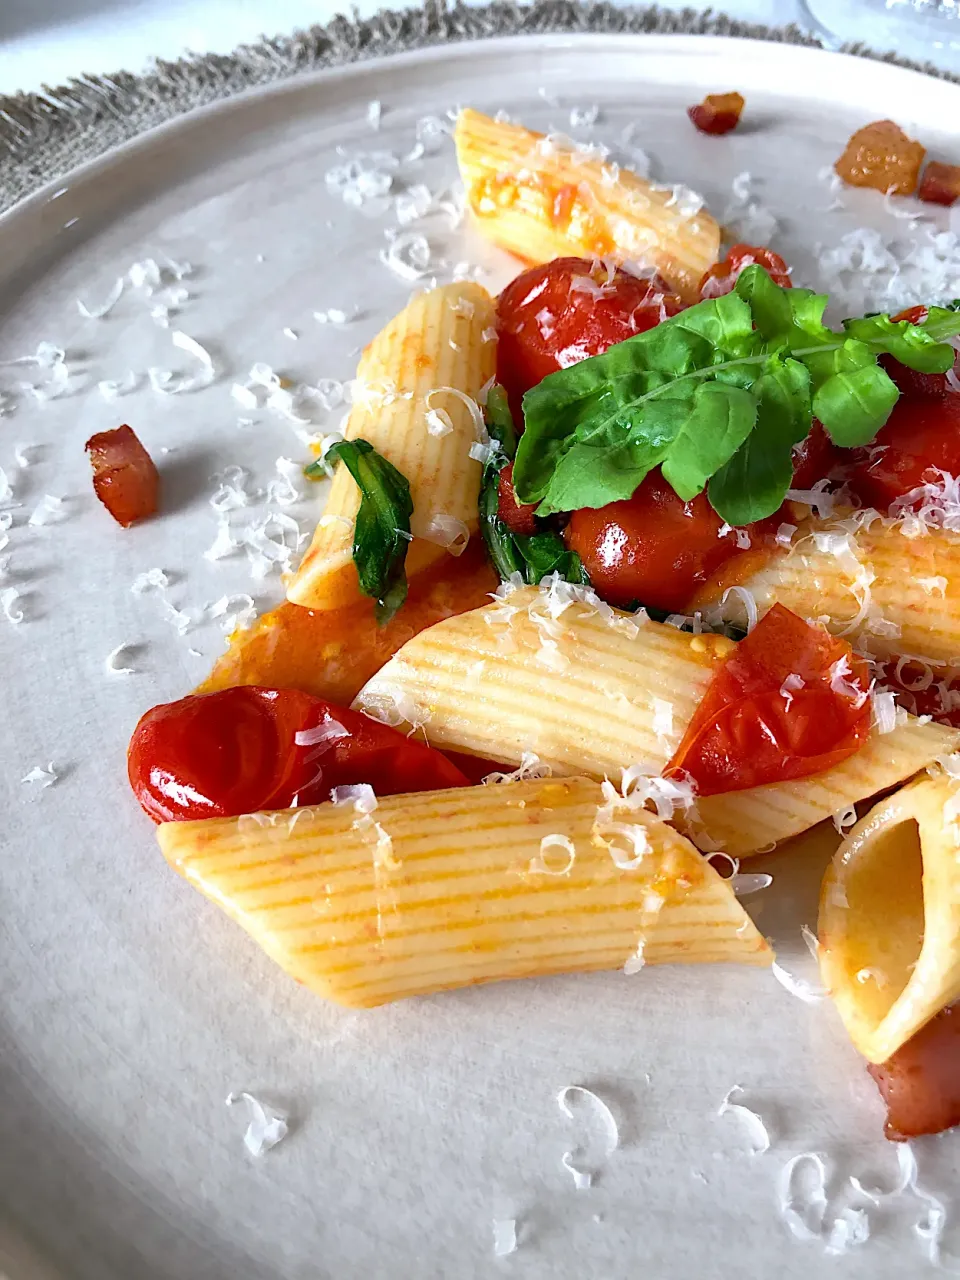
x=47 y=41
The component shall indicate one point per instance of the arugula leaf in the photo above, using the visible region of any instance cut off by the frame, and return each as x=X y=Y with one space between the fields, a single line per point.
x=752 y=484
x=382 y=531
x=717 y=396
x=499 y=421
x=854 y=405
x=720 y=419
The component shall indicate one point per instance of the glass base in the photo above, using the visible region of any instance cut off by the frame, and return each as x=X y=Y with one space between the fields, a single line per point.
x=919 y=29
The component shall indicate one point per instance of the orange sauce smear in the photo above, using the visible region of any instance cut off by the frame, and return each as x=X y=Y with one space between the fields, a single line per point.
x=333 y=654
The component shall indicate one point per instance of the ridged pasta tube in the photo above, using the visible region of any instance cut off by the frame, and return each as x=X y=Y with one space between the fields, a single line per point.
x=591 y=690
x=450 y=888
x=890 y=917
x=543 y=197
x=415 y=400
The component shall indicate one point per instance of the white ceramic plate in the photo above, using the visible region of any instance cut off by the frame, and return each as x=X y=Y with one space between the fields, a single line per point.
x=129 y=1007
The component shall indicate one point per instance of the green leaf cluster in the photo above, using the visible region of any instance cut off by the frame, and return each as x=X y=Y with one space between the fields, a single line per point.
x=717 y=397
x=533 y=556
x=382 y=531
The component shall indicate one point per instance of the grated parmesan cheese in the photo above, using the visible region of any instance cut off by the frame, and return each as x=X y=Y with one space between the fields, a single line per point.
x=504 y=1237
x=582 y=1179
x=40 y=777
x=110 y=662
x=105 y=307
x=759 y=1136
x=266 y=1127
x=539 y=864
x=8 y=603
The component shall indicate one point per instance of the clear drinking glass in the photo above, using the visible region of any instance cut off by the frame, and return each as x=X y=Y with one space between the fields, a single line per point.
x=919 y=29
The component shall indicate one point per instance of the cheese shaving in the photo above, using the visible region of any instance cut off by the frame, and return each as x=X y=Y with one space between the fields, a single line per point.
x=110 y=662
x=408 y=255
x=504 y=1237
x=266 y=1127
x=446 y=531
x=746 y=883
x=360 y=794
x=238 y=612
x=111 y=390
x=324 y=734
x=49 y=510
x=8 y=603
x=539 y=864
x=840 y=683
x=170 y=384
x=151 y=580
x=844 y=818
x=803 y=1214
x=759 y=1136
x=41 y=777
x=582 y=1178
x=806 y=991
x=530 y=766
x=439 y=422
x=105 y=307
x=663 y=721
x=791 y=685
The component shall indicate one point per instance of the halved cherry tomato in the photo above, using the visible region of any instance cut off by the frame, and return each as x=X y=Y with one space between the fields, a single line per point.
x=212 y=755
x=653 y=548
x=555 y=315
x=921 y=1082
x=790 y=701
x=125 y=478
x=921 y=435
x=722 y=276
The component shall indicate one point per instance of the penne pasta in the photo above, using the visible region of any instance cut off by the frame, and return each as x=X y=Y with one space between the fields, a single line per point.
x=591 y=690
x=889 y=593
x=451 y=888
x=745 y=822
x=543 y=197
x=890 y=917
x=416 y=401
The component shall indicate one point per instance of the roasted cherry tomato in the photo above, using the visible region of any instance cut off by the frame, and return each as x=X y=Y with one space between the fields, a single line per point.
x=557 y=314
x=212 y=755
x=652 y=548
x=790 y=701
x=815 y=457
x=517 y=516
x=722 y=276
x=921 y=1082
x=125 y=478
x=921 y=436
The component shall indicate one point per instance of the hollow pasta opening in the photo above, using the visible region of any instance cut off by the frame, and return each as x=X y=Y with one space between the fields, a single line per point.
x=884 y=917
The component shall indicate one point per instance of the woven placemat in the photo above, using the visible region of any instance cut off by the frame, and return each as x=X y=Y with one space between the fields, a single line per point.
x=44 y=135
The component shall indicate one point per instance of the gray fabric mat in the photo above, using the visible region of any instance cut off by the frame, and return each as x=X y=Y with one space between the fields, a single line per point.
x=44 y=135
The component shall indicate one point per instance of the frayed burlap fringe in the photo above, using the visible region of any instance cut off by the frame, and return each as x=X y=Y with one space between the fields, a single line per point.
x=43 y=135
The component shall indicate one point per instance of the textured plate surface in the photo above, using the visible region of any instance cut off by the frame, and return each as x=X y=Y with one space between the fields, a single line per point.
x=129 y=1007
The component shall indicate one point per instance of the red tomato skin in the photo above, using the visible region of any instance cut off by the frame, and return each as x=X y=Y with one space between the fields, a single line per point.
x=216 y=755
x=815 y=457
x=517 y=516
x=125 y=478
x=545 y=324
x=921 y=1082
x=653 y=547
x=722 y=276
x=747 y=733
x=921 y=436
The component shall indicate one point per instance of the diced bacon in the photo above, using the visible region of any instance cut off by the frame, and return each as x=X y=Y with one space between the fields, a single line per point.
x=880 y=155
x=717 y=113
x=125 y=478
x=518 y=518
x=941 y=183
